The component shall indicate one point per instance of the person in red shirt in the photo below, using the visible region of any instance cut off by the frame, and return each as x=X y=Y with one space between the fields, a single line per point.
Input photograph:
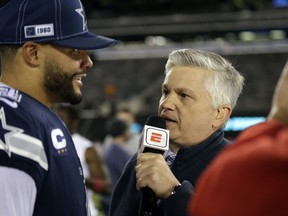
x=250 y=177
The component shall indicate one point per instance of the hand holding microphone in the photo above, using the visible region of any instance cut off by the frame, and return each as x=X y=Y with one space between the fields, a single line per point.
x=152 y=171
x=153 y=175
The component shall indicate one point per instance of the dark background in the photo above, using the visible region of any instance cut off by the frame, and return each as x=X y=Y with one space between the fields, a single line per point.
x=252 y=34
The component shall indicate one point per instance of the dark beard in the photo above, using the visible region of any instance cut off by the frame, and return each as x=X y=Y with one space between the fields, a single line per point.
x=60 y=83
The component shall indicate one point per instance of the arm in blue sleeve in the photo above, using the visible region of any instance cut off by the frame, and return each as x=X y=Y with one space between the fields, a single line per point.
x=176 y=204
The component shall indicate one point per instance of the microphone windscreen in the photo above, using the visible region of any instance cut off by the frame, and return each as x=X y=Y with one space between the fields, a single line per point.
x=156 y=121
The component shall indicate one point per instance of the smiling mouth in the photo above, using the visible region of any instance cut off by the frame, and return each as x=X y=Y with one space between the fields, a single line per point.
x=79 y=77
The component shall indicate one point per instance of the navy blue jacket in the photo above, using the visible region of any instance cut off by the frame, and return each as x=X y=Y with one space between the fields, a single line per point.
x=187 y=167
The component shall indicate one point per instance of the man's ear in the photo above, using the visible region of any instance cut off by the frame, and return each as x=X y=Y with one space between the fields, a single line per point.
x=31 y=53
x=222 y=115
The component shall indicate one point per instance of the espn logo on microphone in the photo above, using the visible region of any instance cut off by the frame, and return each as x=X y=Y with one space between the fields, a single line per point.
x=156 y=137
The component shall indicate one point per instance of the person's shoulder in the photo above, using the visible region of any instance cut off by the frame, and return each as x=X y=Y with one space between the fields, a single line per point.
x=23 y=112
x=19 y=102
x=267 y=139
x=116 y=149
x=10 y=97
x=263 y=129
x=257 y=161
x=256 y=145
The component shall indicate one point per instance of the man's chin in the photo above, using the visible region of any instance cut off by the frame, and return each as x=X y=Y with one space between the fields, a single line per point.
x=76 y=100
x=73 y=99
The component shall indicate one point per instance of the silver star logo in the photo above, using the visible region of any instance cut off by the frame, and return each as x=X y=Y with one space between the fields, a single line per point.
x=81 y=12
x=11 y=131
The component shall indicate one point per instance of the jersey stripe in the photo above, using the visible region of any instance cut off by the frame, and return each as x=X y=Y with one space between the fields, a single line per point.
x=29 y=147
x=15 y=141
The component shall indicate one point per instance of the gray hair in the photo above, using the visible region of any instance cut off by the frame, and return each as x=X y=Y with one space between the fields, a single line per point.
x=226 y=83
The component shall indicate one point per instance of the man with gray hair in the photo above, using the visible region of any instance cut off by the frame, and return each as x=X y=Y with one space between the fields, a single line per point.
x=199 y=92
